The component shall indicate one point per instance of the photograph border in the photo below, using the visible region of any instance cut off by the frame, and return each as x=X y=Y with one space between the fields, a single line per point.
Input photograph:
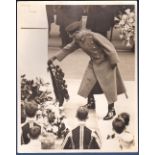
x=86 y=153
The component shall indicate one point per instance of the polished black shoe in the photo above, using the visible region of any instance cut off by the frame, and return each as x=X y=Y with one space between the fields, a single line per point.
x=90 y=102
x=89 y=106
x=110 y=114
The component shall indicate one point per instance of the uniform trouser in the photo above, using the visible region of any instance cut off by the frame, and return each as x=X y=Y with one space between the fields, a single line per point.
x=96 y=90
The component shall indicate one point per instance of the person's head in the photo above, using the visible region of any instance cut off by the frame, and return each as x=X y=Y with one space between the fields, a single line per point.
x=73 y=27
x=35 y=132
x=125 y=116
x=118 y=125
x=48 y=142
x=82 y=113
x=31 y=108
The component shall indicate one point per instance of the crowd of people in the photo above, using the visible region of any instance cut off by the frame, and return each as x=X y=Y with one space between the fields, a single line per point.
x=48 y=129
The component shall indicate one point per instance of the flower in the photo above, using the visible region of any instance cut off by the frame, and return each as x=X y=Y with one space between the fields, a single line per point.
x=126 y=25
x=34 y=90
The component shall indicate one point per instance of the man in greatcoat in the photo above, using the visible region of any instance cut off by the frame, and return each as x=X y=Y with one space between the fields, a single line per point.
x=102 y=74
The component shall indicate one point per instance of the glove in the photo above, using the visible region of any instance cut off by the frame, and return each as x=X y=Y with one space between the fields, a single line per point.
x=50 y=61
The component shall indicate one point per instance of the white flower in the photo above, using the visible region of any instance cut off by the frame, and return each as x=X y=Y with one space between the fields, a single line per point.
x=122 y=22
x=130 y=25
x=55 y=129
x=127 y=11
x=124 y=17
x=126 y=27
x=43 y=88
x=130 y=20
x=131 y=14
x=121 y=36
x=49 y=128
x=133 y=24
x=116 y=19
x=128 y=44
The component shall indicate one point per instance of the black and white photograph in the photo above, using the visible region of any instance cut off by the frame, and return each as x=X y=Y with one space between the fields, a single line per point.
x=77 y=71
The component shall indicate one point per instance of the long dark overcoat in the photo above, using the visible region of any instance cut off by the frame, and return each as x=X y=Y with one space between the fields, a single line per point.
x=103 y=57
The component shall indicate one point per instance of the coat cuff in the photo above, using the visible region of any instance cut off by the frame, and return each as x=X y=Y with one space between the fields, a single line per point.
x=60 y=56
x=113 y=57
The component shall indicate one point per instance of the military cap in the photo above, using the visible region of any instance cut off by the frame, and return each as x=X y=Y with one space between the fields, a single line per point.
x=74 y=26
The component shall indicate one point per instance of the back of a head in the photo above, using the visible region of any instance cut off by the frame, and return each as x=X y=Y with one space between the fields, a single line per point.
x=31 y=109
x=82 y=113
x=118 y=125
x=48 y=142
x=35 y=131
x=125 y=116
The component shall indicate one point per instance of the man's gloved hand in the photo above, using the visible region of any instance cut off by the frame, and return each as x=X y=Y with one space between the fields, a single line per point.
x=50 y=61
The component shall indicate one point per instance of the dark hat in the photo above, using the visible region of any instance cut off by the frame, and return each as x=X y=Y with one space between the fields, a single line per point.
x=74 y=26
x=82 y=113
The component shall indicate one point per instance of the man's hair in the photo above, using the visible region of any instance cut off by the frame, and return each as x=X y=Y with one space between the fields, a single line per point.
x=34 y=132
x=126 y=117
x=118 y=125
x=31 y=109
x=82 y=113
x=48 y=142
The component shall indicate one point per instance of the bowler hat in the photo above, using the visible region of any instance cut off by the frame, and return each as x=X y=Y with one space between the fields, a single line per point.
x=74 y=26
